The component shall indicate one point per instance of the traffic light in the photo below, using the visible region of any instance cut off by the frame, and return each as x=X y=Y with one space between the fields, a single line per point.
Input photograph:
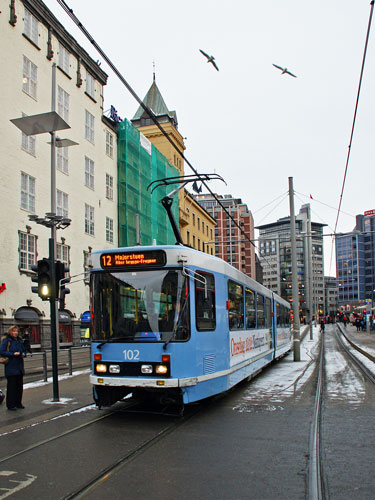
x=61 y=280
x=43 y=278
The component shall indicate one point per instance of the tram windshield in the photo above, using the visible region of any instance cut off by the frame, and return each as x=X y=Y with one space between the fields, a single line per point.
x=140 y=306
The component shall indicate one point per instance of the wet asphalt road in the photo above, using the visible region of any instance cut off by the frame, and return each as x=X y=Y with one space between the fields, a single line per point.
x=251 y=443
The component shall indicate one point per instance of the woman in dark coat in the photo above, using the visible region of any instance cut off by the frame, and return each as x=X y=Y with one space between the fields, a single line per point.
x=12 y=347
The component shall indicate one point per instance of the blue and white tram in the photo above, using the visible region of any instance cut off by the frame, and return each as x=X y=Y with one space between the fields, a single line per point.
x=176 y=324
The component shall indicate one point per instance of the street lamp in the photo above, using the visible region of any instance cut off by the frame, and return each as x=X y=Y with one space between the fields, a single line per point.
x=40 y=124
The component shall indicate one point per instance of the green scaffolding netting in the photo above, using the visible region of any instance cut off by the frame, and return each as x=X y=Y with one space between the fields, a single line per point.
x=140 y=163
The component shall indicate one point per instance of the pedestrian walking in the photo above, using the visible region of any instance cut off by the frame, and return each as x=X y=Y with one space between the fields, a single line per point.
x=26 y=340
x=322 y=325
x=12 y=347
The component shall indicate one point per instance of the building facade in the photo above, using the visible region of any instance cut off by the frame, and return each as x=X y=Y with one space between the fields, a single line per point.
x=32 y=42
x=230 y=244
x=331 y=294
x=195 y=223
x=276 y=260
x=355 y=263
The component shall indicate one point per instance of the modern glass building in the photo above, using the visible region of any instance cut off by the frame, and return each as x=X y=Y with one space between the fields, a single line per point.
x=355 y=263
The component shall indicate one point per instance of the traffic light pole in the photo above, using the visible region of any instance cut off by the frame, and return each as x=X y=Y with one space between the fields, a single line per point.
x=52 y=246
x=54 y=318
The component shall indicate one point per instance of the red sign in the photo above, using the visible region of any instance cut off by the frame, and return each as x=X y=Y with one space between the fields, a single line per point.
x=370 y=212
x=3 y=287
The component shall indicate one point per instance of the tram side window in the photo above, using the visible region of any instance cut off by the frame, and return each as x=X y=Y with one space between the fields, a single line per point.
x=236 y=305
x=250 y=310
x=285 y=315
x=279 y=315
x=260 y=311
x=268 y=313
x=205 y=308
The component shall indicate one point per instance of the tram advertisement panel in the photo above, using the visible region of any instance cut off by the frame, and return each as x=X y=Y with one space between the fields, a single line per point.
x=283 y=335
x=247 y=344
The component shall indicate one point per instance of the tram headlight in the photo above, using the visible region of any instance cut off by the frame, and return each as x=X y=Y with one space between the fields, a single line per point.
x=114 y=368
x=161 y=369
x=146 y=369
x=101 y=368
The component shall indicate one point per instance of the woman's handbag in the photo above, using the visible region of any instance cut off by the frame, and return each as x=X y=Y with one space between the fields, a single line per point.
x=4 y=361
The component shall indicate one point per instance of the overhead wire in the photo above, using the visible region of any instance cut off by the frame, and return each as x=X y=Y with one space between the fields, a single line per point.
x=354 y=120
x=274 y=208
x=267 y=204
x=322 y=203
x=151 y=114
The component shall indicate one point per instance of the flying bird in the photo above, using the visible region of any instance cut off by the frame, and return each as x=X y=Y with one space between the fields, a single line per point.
x=284 y=70
x=210 y=59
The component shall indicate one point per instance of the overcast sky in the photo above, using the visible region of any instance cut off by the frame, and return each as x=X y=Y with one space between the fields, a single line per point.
x=248 y=122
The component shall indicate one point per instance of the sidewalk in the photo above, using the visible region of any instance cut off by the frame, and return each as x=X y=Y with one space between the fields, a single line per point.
x=74 y=392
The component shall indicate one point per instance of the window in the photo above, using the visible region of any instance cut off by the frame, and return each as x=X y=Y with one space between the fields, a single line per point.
x=27 y=251
x=63 y=103
x=205 y=309
x=27 y=192
x=64 y=58
x=63 y=159
x=235 y=298
x=62 y=203
x=109 y=186
x=109 y=230
x=62 y=253
x=89 y=173
x=108 y=144
x=251 y=320
x=87 y=266
x=89 y=126
x=90 y=85
x=188 y=237
x=268 y=313
x=193 y=219
x=260 y=311
x=29 y=79
x=89 y=220
x=31 y=27
x=28 y=142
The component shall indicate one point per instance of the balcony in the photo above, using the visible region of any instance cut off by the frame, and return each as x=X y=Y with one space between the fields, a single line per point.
x=184 y=217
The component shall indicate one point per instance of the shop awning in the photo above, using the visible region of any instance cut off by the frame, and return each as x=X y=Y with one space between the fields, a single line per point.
x=85 y=317
x=27 y=315
x=64 y=317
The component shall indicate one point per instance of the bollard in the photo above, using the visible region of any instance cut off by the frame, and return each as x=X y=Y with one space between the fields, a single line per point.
x=70 y=362
x=45 y=374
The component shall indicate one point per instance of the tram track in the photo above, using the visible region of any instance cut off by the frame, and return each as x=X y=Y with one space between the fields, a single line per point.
x=368 y=374
x=317 y=484
x=131 y=408
x=106 y=474
x=316 y=475
x=127 y=407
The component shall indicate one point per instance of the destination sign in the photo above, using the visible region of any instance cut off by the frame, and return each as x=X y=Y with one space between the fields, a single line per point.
x=147 y=258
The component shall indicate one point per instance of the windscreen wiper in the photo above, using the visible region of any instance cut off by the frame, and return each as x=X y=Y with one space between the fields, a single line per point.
x=114 y=340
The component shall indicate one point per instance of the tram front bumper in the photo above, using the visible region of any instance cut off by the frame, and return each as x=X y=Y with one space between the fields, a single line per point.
x=160 y=383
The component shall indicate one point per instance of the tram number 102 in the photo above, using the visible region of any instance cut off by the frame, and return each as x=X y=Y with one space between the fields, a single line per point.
x=131 y=355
